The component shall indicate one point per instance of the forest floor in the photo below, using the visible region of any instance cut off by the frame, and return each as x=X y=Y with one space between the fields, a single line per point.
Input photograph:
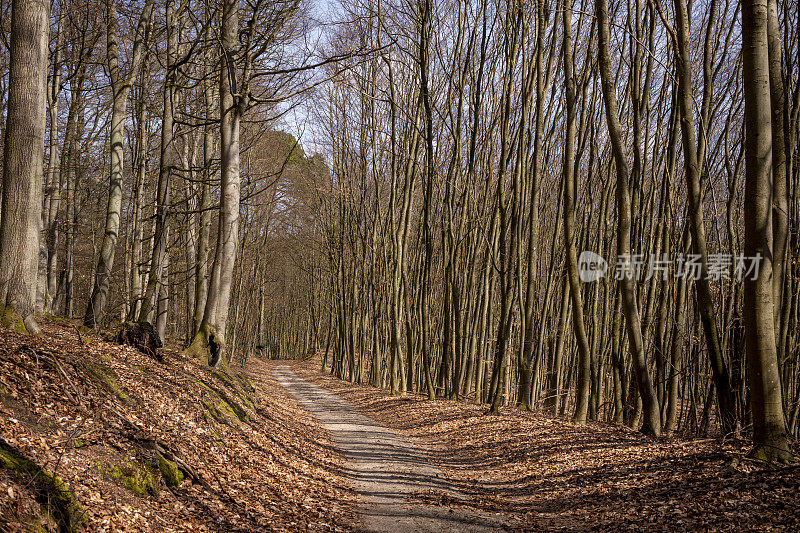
x=102 y=436
x=531 y=471
x=97 y=416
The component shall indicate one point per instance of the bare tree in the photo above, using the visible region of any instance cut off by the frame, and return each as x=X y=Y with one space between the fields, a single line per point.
x=769 y=426
x=121 y=84
x=22 y=158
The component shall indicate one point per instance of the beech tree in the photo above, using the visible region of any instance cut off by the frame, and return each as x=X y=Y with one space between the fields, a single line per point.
x=121 y=84
x=769 y=426
x=575 y=207
x=22 y=157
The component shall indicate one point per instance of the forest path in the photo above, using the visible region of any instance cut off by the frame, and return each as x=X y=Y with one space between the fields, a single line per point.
x=387 y=470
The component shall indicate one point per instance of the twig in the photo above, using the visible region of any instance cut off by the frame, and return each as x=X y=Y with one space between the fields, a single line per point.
x=80 y=338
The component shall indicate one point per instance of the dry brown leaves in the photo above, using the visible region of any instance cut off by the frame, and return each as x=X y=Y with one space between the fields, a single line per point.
x=273 y=471
x=545 y=473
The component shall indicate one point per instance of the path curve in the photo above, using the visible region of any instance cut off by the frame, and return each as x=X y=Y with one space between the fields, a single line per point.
x=386 y=467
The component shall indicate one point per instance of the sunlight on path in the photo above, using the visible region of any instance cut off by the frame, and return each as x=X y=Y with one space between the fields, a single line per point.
x=385 y=467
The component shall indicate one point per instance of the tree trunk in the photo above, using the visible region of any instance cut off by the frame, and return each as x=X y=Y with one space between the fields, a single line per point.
x=769 y=428
x=22 y=164
x=780 y=200
x=209 y=342
x=53 y=184
x=652 y=416
x=568 y=175
x=168 y=160
x=697 y=218
x=120 y=88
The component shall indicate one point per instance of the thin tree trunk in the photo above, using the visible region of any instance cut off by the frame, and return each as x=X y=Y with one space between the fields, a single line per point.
x=168 y=160
x=569 y=178
x=53 y=183
x=120 y=88
x=697 y=218
x=652 y=417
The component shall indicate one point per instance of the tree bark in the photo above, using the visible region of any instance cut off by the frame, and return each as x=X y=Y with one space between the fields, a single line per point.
x=209 y=342
x=569 y=178
x=769 y=428
x=652 y=418
x=697 y=218
x=22 y=159
x=168 y=160
x=120 y=87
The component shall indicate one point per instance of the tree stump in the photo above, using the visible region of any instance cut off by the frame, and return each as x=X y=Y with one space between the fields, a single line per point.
x=142 y=336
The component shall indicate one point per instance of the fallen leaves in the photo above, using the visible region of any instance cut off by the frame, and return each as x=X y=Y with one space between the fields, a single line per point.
x=274 y=471
x=545 y=473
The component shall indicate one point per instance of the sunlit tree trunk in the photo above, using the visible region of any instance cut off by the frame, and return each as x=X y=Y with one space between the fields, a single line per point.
x=120 y=87
x=209 y=342
x=766 y=403
x=52 y=200
x=168 y=160
x=22 y=159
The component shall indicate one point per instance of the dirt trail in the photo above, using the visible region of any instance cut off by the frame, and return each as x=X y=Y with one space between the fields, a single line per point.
x=386 y=468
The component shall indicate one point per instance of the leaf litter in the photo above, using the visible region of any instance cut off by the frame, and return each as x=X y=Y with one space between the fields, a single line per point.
x=540 y=472
x=246 y=456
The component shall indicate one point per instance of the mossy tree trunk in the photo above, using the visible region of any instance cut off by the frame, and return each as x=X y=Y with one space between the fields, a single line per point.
x=22 y=164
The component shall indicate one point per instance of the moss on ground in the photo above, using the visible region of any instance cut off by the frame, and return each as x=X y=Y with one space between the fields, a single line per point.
x=104 y=377
x=135 y=477
x=173 y=475
x=239 y=384
x=213 y=426
x=216 y=414
x=223 y=403
x=52 y=493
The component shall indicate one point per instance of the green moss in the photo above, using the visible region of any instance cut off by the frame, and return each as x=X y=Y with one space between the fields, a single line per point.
x=200 y=347
x=10 y=319
x=213 y=426
x=64 y=321
x=51 y=490
x=104 y=377
x=239 y=384
x=248 y=401
x=772 y=454
x=134 y=477
x=36 y=528
x=216 y=414
x=224 y=403
x=169 y=469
